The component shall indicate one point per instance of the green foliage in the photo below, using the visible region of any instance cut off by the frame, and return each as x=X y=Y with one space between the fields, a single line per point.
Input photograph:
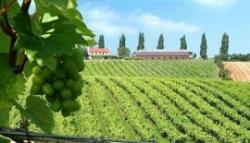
x=39 y=113
x=54 y=32
x=4 y=139
x=174 y=109
x=142 y=68
x=4 y=43
x=160 y=42
x=183 y=43
x=224 y=47
x=101 y=42
x=223 y=73
x=123 y=51
x=239 y=57
x=11 y=86
x=122 y=41
x=203 y=47
x=141 y=41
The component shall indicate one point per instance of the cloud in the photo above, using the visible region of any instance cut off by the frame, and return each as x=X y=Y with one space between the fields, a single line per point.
x=110 y=29
x=216 y=2
x=155 y=22
x=102 y=14
x=103 y=20
x=108 y=22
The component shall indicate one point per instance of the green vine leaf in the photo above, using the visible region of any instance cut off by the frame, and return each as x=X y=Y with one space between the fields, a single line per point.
x=4 y=139
x=39 y=113
x=59 y=37
x=5 y=107
x=68 y=10
x=4 y=42
x=11 y=85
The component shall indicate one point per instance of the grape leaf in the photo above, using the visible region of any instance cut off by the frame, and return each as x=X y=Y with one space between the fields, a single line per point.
x=59 y=37
x=11 y=85
x=5 y=107
x=4 y=42
x=4 y=139
x=39 y=113
x=66 y=9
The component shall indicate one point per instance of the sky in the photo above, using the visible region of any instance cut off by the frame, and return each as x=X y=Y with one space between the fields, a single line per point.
x=173 y=19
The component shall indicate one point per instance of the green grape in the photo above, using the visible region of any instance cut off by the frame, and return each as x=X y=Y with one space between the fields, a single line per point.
x=59 y=73
x=70 y=83
x=62 y=86
x=68 y=105
x=48 y=89
x=36 y=89
x=47 y=74
x=77 y=87
x=40 y=62
x=66 y=93
x=78 y=58
x=36 y=70
x=77 y=106
x=68 y=63
x=38 y=80
x=76 y=76
x=58 y=84
x=50 y=98
x=72 y=72
x=55 y=106
x=65 y=113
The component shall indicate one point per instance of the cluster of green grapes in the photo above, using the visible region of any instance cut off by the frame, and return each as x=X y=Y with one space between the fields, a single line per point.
x=62 y=86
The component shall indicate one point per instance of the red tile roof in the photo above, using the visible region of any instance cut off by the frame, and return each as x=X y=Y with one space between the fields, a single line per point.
x=99 y=50
x=163 y=53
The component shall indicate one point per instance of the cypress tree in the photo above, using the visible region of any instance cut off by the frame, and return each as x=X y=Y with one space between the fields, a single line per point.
x=101 y=42
x=183 y=42
x=141 y=45
x=203 y=47
x=160 y=42
x=224 y=47
x=123 y=51
x=122 y=42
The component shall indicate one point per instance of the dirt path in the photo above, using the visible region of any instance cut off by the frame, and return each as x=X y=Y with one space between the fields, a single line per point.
x=240 y=71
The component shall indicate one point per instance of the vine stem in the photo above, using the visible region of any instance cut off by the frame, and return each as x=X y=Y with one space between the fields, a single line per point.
x=24 y=125
x=25 y=9
x=5 y=9
x=8 y=30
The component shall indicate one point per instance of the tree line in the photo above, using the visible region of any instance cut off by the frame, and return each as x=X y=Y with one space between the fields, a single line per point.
x=123 y=51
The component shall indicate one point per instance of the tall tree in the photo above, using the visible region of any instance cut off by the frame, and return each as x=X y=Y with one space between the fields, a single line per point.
x=183 y=43
x=141 y=40
x=224 y=47
x=101 y=42
x=160 y=42
x=122 y=42
x=203 y=47
x=123 y=51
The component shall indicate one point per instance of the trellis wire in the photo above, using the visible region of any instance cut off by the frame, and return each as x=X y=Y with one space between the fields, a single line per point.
x=20 y=135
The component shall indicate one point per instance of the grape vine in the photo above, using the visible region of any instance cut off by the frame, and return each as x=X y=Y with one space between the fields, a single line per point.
x=41 y=48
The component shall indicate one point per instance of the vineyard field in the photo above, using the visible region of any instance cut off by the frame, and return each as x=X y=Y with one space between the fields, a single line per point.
x=168 y=110
x=150 y=68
